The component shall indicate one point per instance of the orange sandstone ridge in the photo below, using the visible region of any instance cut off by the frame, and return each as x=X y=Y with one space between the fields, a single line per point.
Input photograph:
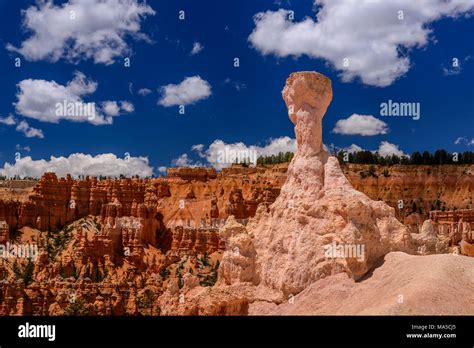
x=112 y=246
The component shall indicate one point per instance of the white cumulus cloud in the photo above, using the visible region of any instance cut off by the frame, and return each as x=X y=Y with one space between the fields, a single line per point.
x=77 y=164
x=28 y=131
x=214 y=153
x=82 y=29
x=9 y=120
x=355 y=124
x=184 y=161
x=359 y=38
x=189 y=91
x=22 y=127
x=353 y=148
x=385 y=149
x=48 y=101
x=389 y=149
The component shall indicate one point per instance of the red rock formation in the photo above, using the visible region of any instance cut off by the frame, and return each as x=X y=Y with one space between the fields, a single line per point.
x=414 y=191
x=466 y=215
x=124 y=236
x=187 y=240
x=453 y=229
x=189 y=174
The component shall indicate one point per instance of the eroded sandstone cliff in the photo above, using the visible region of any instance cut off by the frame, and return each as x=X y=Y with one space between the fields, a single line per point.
x=113 y=246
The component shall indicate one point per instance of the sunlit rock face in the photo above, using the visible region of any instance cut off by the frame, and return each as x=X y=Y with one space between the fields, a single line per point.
x=319 y=225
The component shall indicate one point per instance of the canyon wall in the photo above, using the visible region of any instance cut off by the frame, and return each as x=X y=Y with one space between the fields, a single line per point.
x=414 y=191
x=187 y=194
x=114 y=246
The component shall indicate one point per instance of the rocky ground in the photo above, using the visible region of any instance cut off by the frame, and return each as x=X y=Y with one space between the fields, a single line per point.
x=402 y=285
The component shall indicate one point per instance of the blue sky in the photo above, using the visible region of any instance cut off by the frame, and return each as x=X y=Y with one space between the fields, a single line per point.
x=244 y=103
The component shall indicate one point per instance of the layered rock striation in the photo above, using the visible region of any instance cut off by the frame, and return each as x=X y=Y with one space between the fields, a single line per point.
x=114 y=247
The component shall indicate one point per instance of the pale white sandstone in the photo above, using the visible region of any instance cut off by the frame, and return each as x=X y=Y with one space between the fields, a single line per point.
x=318 y=206
x=403 y=285
x=238 y=261
x=429 y=240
